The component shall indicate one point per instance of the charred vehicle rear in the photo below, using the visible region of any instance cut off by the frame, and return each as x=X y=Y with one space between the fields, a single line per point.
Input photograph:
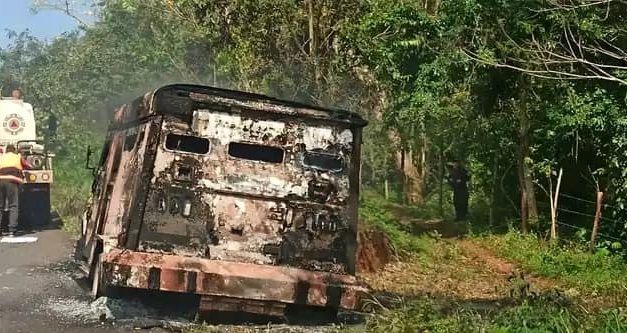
x=247 y=201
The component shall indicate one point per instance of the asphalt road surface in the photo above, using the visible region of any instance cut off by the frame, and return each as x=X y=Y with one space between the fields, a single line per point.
x=40 y=292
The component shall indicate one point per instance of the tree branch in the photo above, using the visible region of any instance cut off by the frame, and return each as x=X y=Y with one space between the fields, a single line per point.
x=547 y=73
x=62 y=6
x=575 y=5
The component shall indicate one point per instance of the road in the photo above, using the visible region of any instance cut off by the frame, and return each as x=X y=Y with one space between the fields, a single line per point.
x=39 y=292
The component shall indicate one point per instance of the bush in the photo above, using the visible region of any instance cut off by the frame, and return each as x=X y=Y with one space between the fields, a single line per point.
x=70 y=191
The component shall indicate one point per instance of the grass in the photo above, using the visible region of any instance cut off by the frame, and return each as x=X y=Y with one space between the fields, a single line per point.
x=436 y=267
x=428 y=315
x=600 y=272
x=436 y=263
x=377 y=213
x=599 y=280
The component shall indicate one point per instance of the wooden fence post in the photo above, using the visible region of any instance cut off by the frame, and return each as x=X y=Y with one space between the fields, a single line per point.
x=597 y=221
x=554 y=201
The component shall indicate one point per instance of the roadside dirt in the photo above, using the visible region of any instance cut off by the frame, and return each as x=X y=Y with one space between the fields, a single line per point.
x=454 y=269
x=447 y=272
x=374 y=251
x=476 y=253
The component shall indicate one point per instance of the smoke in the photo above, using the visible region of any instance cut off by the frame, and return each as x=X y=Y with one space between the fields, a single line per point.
x=103 y=112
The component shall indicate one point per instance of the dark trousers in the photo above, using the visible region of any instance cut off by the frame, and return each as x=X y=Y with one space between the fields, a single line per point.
x=460 y=200
x=9 y=194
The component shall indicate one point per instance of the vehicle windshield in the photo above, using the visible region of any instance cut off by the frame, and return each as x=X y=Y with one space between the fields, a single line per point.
x=323 y=161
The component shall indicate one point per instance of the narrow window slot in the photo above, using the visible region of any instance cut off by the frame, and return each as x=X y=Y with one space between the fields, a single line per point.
x=254 y=152
x=187 y=144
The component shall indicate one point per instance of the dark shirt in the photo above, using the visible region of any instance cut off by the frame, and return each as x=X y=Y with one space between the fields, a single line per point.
x=458 y=179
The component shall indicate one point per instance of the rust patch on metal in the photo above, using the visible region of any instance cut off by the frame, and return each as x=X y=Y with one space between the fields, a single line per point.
x=231 y=279
x=225 y=304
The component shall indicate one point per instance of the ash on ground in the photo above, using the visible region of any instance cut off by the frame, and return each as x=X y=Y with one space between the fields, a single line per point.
x=121 y=312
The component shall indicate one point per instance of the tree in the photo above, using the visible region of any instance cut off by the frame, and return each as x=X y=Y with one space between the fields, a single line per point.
x=564 y=40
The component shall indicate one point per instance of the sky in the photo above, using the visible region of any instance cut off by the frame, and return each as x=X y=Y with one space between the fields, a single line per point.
x=16 y=15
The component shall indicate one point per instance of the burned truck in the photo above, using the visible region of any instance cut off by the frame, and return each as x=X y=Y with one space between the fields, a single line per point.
x=246 y=201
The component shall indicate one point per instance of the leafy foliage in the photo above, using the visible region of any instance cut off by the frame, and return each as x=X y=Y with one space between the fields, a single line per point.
x=438 y=80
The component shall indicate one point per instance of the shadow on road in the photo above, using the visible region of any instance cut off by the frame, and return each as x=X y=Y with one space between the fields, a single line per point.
x=27 y=225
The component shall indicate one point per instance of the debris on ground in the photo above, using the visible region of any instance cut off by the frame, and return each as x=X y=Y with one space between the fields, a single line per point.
x=121 y=311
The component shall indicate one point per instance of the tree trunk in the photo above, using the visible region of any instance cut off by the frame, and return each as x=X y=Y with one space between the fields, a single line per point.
x=313 y=40
x=312 y=37
x=432 y=6
x=386 y=177
x=441 y=183
x=532 y=206
x=373 y=173
x=524 y=223
x=412 y=182
x=528 y=206
x=423 y=166
x=386 y=188
x=495 y=181
x=597 y=221
x=361 y=173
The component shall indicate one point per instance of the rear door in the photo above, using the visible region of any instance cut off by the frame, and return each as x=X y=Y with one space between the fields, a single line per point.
x=231 y=187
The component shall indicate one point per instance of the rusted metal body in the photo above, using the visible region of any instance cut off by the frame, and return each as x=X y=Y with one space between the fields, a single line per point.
x=248 y=201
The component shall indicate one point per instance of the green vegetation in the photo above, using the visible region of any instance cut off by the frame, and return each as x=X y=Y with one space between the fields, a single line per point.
x=69 y=192
x=375 y=212
x=583 y=292
x=427 y=316
x=600 y=272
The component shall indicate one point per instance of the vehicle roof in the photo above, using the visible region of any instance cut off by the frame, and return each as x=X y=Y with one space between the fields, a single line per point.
x=238 y=100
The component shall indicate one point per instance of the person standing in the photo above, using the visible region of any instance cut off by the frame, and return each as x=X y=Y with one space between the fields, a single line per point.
x=11 y=177
x=458 y=179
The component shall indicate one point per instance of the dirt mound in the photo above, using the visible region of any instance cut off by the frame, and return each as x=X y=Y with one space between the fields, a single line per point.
x=374 y=251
